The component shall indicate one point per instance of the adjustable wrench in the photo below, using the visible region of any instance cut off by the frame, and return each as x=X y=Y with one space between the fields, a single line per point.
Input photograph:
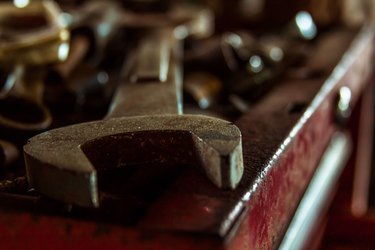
x=144 y=125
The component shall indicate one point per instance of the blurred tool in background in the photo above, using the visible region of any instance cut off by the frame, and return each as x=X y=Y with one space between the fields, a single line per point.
x=61 y=65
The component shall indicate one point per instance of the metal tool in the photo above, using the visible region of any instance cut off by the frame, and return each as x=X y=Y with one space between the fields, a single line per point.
x=68 y=84
x=31 y=36
x=302 y=27
x=225 y=54
x=239 y=60
x=79 y=48
x=8 y=153
x=187 y=21
x=92 y=28
x=99 y=20
x=203 y=87
x=144 y=125
x=83 y=83
x=16 y=185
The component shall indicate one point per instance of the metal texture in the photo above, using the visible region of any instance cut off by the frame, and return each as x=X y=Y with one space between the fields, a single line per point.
x=284 y=179
x=284 y=137
x=205 y=88
x=22 y=108
x=27 y=51
x=44 y=41
x=100 y=21
x=144 y=125
x=187 y=21
x=8 y=153
x=343 y=108
x=62 y=163
x=318 y=192
x=79 y=47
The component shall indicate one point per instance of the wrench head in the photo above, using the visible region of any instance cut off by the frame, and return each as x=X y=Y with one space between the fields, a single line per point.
x=63 y=163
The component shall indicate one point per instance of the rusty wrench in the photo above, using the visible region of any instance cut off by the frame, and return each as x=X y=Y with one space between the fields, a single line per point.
x=144 y=125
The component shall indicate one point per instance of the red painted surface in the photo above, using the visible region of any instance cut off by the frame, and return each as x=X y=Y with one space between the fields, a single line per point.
x=278 y=195
x=25 y=231
x=349 y=232
x=279 y=192
x=350 y=221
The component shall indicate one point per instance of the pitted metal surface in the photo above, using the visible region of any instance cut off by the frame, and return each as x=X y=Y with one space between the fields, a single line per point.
x=70 y=156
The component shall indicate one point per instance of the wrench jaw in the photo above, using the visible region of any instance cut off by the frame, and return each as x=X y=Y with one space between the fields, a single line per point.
x=63 y=163
x=79 y=188
x=60 y=169
x=232 y=165
x=222 y=162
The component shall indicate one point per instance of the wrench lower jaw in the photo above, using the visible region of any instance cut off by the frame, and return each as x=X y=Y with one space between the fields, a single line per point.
x=66 y=186
x=62 y=163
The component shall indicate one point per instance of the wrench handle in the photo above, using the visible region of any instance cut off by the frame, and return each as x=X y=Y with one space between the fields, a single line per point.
x=153 y=79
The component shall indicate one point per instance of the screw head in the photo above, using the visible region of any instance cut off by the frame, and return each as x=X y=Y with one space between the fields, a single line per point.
x=343 y=105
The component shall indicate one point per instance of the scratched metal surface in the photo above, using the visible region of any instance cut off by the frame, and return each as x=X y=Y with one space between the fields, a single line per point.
x=283 y=138
x=278 y=189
